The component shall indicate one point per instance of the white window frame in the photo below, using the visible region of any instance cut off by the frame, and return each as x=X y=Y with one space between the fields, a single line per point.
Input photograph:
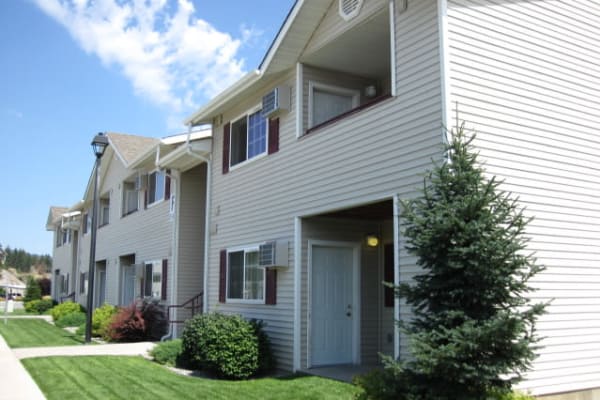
x=161 y=198
x=249 y=248
x=103 y=209
x=253 y=110
x=312 y=85
x=125 y=200
x=156 y=269
x=86 y=223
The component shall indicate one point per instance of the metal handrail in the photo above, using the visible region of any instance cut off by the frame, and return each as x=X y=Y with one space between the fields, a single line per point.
x=194 y=304
x=67 y=297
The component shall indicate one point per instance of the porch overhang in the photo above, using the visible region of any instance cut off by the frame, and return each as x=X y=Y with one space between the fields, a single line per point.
x=187 y=156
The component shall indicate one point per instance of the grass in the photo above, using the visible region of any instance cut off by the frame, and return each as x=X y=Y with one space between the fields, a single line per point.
x=35 y=333
x=130 y=378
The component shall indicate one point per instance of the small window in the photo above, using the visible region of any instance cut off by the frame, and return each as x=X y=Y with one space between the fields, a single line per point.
x=66 y=236
x=83 y=282
x=327 y=102
x=86 y=223
x=246 y=281
x=248 y=137
x=130 y=198
x=59 y=237
x=153 y=279
x=104 y=212
x=156 y=187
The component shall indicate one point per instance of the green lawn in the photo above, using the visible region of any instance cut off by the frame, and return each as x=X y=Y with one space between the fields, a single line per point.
x=130 y=378
x=35 y=333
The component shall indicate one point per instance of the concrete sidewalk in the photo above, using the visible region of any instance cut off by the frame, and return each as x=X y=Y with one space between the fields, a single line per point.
x=17 y=384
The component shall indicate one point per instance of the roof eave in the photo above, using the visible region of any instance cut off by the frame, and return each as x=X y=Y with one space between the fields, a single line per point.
x=204 y=114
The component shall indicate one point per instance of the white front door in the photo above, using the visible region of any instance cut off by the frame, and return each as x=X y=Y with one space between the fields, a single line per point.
x=334 y=311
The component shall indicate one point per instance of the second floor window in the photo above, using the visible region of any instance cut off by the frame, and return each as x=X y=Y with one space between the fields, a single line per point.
x=248 y=137
x=156 y=187
x=130 y=198
x=104 y=211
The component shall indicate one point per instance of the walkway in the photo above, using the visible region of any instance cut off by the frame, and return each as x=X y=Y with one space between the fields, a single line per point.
x=17 y=384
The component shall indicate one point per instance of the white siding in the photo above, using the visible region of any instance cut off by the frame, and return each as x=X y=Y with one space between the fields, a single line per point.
x=525 y=76
x=365 y=157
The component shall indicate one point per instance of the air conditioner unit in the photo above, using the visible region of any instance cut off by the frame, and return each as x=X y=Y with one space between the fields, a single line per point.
x=141 y=182
x=273 y=254
x=277 y=100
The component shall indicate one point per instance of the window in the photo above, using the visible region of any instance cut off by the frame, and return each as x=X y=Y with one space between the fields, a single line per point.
x=58 y=235
x=156 y=187
x=66 y=236
x=248 y=137
x=155 y=279
x=87 y=223
x=245 y=279
x=83 y=282
x=104 y=212
x=130 y=198
x=327 y=102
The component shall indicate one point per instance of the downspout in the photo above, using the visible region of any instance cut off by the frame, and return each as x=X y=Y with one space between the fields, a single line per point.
x=396 y=212
x=174 y=250
x=206 y=235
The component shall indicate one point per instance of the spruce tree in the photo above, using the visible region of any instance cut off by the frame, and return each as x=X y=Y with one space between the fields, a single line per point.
x=33 y=290
x=473 y=331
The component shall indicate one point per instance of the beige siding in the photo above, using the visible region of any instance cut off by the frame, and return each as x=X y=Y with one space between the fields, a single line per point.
x=146 y=233
x=190 y=268
x=368 y=156
x=333 y=25
x=525 y=77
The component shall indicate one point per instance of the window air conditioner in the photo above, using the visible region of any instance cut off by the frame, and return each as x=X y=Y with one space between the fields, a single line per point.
x=273 y=254
x=276 y=100
x=141 y=182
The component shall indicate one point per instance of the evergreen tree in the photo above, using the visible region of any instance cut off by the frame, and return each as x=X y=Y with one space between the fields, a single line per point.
x=33 y=290
x=473 y=330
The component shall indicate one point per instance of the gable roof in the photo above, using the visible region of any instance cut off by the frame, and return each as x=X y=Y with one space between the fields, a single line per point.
x=129 y=147
x=54 y=216
x=295 y=33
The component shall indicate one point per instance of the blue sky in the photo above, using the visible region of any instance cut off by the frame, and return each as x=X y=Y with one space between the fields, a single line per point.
x=72 y=68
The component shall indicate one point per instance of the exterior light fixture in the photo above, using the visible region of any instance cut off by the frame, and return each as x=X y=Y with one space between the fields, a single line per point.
x=99 y=145
x=372 y=240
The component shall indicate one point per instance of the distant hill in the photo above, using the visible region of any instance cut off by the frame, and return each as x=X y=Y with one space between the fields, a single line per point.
x=24 y=261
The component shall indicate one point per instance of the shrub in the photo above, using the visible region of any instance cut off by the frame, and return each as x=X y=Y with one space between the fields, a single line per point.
x=61 y=310
x=169 y=353
x=101 y=319
x=155 y=318
x=222 y=344
x=38 y=306
x=266 y=360
x=127 y=325
x=382 y=384
x=72 y=319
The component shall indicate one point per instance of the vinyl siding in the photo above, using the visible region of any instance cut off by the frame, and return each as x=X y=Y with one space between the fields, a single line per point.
x=147 y=233
x=525 y=76
x=190 y=268
x=333 y=25
x=363 y=158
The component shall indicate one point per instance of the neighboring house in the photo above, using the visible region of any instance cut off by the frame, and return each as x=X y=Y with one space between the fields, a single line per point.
x=315 y=150
x=150 y=238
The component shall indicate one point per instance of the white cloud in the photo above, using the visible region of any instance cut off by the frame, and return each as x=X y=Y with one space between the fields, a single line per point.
x=171 y=57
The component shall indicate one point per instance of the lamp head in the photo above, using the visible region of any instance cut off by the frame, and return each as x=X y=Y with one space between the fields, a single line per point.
x=99 y=144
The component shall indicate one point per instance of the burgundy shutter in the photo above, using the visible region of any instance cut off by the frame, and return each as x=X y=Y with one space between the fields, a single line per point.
x=273 y=135
x=145 y=199
x=167 y=185
x=271 y=282
x=163 y=282
x=388 y=274
x=223 y=276
x=226 y=140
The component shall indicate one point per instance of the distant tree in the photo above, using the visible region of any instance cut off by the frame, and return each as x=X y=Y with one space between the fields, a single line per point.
x=45 y=285
x=33 y=290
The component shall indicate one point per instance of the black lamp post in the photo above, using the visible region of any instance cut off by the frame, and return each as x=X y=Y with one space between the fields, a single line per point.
x=99 y=144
